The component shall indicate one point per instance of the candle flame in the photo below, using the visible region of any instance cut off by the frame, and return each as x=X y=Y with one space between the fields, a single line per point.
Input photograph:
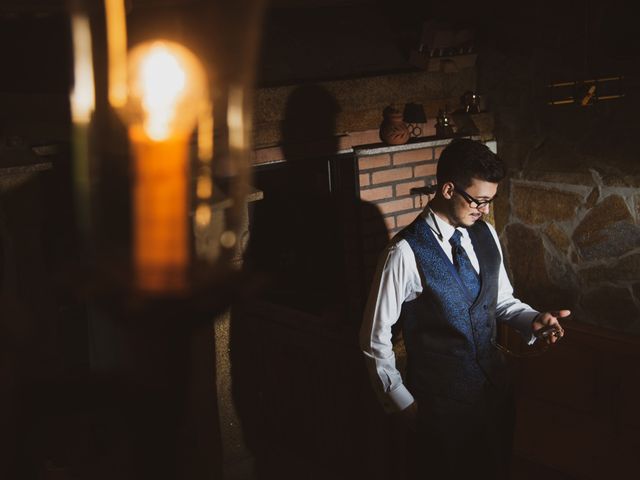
x=166 y=91
x=163 y=81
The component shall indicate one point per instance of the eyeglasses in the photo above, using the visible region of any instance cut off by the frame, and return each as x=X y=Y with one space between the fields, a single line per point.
x=473 y=202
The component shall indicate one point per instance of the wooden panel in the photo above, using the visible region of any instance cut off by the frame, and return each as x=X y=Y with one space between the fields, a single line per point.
x=628 y=404
x=555 y=436
x=305 y=400
x=578 y=405
x=564 y=376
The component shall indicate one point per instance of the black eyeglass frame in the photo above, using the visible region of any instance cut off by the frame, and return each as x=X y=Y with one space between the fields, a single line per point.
x=470 y=200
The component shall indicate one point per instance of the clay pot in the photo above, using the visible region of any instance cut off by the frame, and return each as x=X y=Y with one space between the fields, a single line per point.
x=393 y=131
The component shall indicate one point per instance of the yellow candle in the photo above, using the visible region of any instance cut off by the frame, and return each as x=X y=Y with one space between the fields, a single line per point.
x=160 y=237
x=166 y=89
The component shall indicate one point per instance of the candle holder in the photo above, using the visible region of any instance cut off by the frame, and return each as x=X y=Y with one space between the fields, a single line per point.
x=162 y=107
x=162 y=119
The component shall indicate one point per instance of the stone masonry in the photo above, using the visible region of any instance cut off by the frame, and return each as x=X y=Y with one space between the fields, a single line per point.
x=577 y=245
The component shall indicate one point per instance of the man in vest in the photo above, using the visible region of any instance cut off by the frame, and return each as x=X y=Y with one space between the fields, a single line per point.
x=444 y=279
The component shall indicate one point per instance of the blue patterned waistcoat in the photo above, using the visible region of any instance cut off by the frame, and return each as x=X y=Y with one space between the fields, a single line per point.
x=447 y=333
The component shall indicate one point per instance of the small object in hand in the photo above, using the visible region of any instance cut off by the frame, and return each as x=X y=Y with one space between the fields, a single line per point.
x=550 y=330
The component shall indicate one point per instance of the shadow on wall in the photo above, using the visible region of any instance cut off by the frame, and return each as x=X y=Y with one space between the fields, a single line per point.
x=299 y=382
x=305 y=234
x=295 y=237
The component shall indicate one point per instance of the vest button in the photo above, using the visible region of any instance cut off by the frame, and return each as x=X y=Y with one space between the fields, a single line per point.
x=484 y=307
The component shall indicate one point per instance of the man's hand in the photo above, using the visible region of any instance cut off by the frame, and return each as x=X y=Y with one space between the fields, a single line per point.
x=409 y=416
x=548 y=322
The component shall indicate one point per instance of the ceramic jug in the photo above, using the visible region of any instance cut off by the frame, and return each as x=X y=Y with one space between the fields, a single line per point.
x=393 y=130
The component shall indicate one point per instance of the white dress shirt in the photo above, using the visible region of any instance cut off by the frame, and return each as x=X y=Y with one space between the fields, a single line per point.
x=396 y=281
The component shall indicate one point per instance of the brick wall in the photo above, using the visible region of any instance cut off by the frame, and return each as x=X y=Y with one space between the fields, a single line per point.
x=386 y=175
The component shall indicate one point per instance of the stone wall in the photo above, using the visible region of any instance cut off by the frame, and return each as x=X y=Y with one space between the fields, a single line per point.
x=576 y=244
x=569 y=216
x=343 y=108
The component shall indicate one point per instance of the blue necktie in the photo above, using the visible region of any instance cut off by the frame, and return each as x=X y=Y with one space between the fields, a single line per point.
x=463 y=265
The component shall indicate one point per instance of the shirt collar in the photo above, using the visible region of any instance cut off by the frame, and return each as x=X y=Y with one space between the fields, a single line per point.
x=446 y=229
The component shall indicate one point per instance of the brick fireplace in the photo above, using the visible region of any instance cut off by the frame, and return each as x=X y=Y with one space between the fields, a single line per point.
x=386 y=176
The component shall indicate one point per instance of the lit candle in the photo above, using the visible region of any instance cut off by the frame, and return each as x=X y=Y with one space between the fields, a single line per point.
x=160 y=243
x=82 y=101
x=166 y=87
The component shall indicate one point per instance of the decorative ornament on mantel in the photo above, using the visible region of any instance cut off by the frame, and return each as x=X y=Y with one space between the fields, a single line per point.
x=470 y=102
x=443 y=124
x=471 y=118
x=414 y=116
x=393 y=130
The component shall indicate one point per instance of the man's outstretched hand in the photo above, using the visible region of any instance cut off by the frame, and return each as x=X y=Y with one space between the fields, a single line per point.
x=547 y=327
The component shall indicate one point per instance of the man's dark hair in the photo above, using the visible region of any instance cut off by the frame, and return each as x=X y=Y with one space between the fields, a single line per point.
x=464 y=159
